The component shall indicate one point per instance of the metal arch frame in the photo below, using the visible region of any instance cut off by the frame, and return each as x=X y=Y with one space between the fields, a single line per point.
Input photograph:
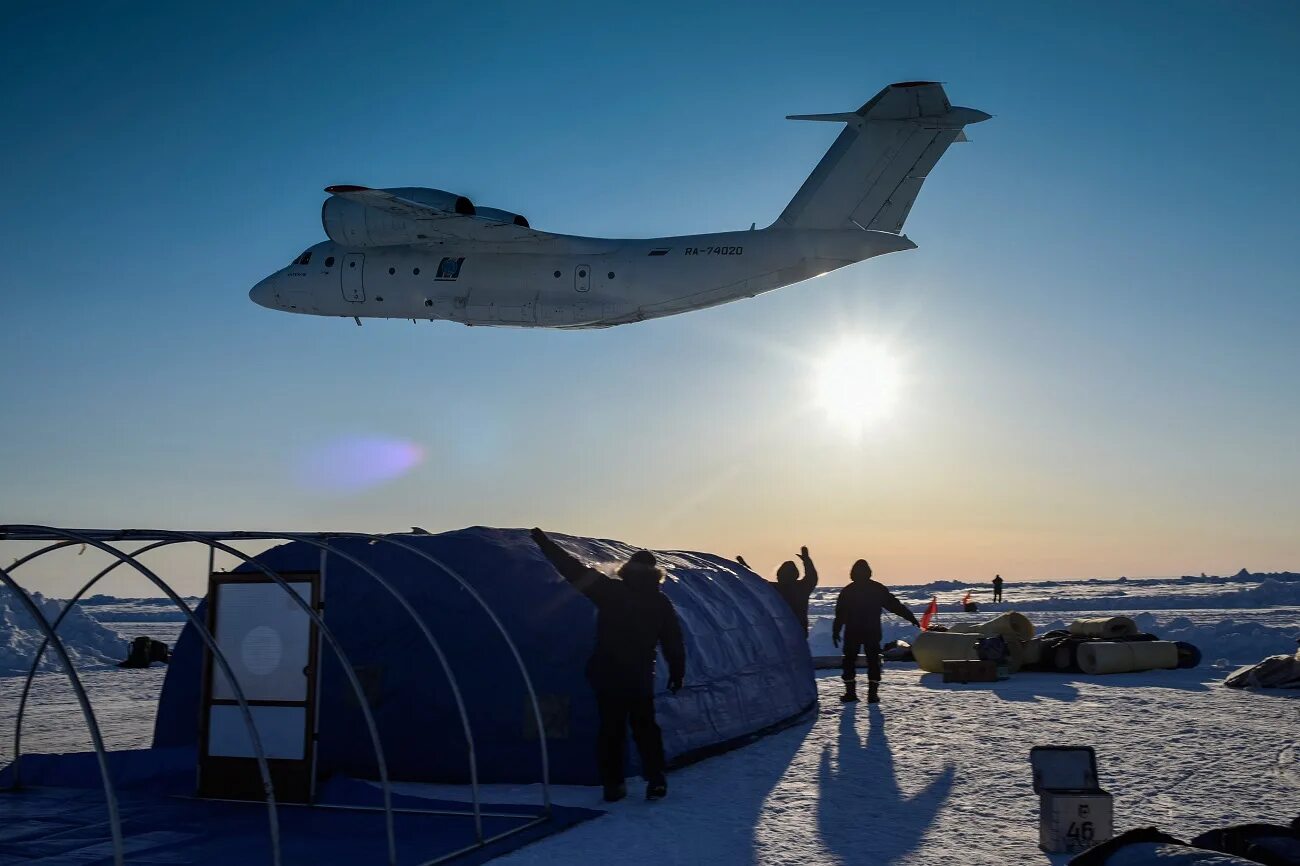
x=204 y=634
x=505 y=635
x=320 y=540
x=186 y=538
x=437 y=650
x=87 y=712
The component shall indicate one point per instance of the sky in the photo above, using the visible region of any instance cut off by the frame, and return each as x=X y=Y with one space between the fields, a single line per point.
x=1096 y=340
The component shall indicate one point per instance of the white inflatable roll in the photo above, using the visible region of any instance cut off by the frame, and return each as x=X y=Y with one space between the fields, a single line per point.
x=1106 y=627
x=1011 y=624
x=1101 y=657
x=932 y=648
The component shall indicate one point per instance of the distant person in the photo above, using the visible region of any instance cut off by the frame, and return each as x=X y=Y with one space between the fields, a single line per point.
x=997 y=587
x=632 y=617
x=857 y=613
x=793 y=589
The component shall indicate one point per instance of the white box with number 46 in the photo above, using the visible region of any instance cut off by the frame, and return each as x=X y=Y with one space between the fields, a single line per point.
x=1074 y=812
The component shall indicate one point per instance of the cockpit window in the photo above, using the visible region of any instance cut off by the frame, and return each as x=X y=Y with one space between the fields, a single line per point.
x=303 y=259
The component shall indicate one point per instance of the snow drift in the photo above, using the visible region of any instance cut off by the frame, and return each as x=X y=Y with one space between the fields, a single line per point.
x=88 y=643
x=1270 y=592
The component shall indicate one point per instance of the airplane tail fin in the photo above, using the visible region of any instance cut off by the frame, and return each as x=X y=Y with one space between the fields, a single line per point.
x=872 y=173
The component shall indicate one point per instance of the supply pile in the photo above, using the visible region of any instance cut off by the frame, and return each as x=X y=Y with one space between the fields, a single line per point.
x=1108 y=645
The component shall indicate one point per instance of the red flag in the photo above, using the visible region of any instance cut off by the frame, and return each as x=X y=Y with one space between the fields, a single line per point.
x=930 y=612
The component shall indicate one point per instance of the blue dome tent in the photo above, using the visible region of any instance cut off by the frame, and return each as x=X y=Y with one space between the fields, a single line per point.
x=748 y=665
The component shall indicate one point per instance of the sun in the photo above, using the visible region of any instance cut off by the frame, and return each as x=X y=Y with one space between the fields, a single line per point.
x=857 y=384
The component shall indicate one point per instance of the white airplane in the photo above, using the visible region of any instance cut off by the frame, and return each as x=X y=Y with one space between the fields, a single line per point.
x=416 y=253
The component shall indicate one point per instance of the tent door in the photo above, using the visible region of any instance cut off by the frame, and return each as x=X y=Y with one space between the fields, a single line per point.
x=271 y=646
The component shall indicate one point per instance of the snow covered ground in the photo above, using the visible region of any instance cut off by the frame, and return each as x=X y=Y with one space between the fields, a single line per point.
x=940 y=775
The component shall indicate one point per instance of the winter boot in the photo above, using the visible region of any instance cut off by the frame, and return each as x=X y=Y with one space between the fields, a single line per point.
x=850 y=692
x=656 y=790
x=873 y=692
x=614 y=793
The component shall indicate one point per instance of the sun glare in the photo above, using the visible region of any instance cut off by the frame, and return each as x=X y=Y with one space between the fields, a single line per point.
x=857 y=384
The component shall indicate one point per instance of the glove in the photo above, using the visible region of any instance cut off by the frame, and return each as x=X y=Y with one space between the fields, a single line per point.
x=675 y=684
x=835 y=640
x=741 y=560
x=803 y=553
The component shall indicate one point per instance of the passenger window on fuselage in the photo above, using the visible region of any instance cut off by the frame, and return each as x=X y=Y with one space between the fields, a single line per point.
x=329 y=261
x=303 y=259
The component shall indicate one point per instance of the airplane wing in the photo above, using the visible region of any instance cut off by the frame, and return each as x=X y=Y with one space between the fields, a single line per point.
x=444 y=217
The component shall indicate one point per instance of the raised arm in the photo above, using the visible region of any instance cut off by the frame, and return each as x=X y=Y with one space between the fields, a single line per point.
x=894 y=606
x=670 y=638
x=809 y=581
x=584 y=578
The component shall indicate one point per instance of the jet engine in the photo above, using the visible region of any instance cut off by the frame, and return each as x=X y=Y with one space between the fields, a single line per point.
x=504 y=216
x=353 y=224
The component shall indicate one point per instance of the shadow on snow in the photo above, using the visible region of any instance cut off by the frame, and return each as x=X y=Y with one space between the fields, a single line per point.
x=862 y=814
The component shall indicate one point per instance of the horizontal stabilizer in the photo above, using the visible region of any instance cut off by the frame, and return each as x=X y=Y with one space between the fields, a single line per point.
x=844 y=117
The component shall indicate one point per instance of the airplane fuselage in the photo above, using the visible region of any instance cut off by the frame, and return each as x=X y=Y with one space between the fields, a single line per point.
x=421 y=253
x=589 y=283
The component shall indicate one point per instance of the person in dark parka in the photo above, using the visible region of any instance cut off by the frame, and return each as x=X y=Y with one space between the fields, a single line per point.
x=857 y=615
x=997 y=587
x=632 y=617
x=795 y=589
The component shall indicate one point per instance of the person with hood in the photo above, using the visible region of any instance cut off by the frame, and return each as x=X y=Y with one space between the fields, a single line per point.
x=793 y=589
x=857 y=615
x=997 y=587
x=632 y=617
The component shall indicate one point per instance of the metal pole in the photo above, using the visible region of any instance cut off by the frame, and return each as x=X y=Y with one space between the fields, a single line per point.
x=202 y=724
x=114 y=820
x=315 y=716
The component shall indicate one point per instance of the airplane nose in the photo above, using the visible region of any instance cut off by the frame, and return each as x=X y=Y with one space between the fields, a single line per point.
x=263 y=294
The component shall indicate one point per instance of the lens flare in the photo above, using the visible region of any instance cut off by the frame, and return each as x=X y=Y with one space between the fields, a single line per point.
x=857 y=384
x=357 y=463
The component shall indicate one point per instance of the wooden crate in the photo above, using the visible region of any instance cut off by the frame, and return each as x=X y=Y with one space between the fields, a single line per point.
x=970 y=671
